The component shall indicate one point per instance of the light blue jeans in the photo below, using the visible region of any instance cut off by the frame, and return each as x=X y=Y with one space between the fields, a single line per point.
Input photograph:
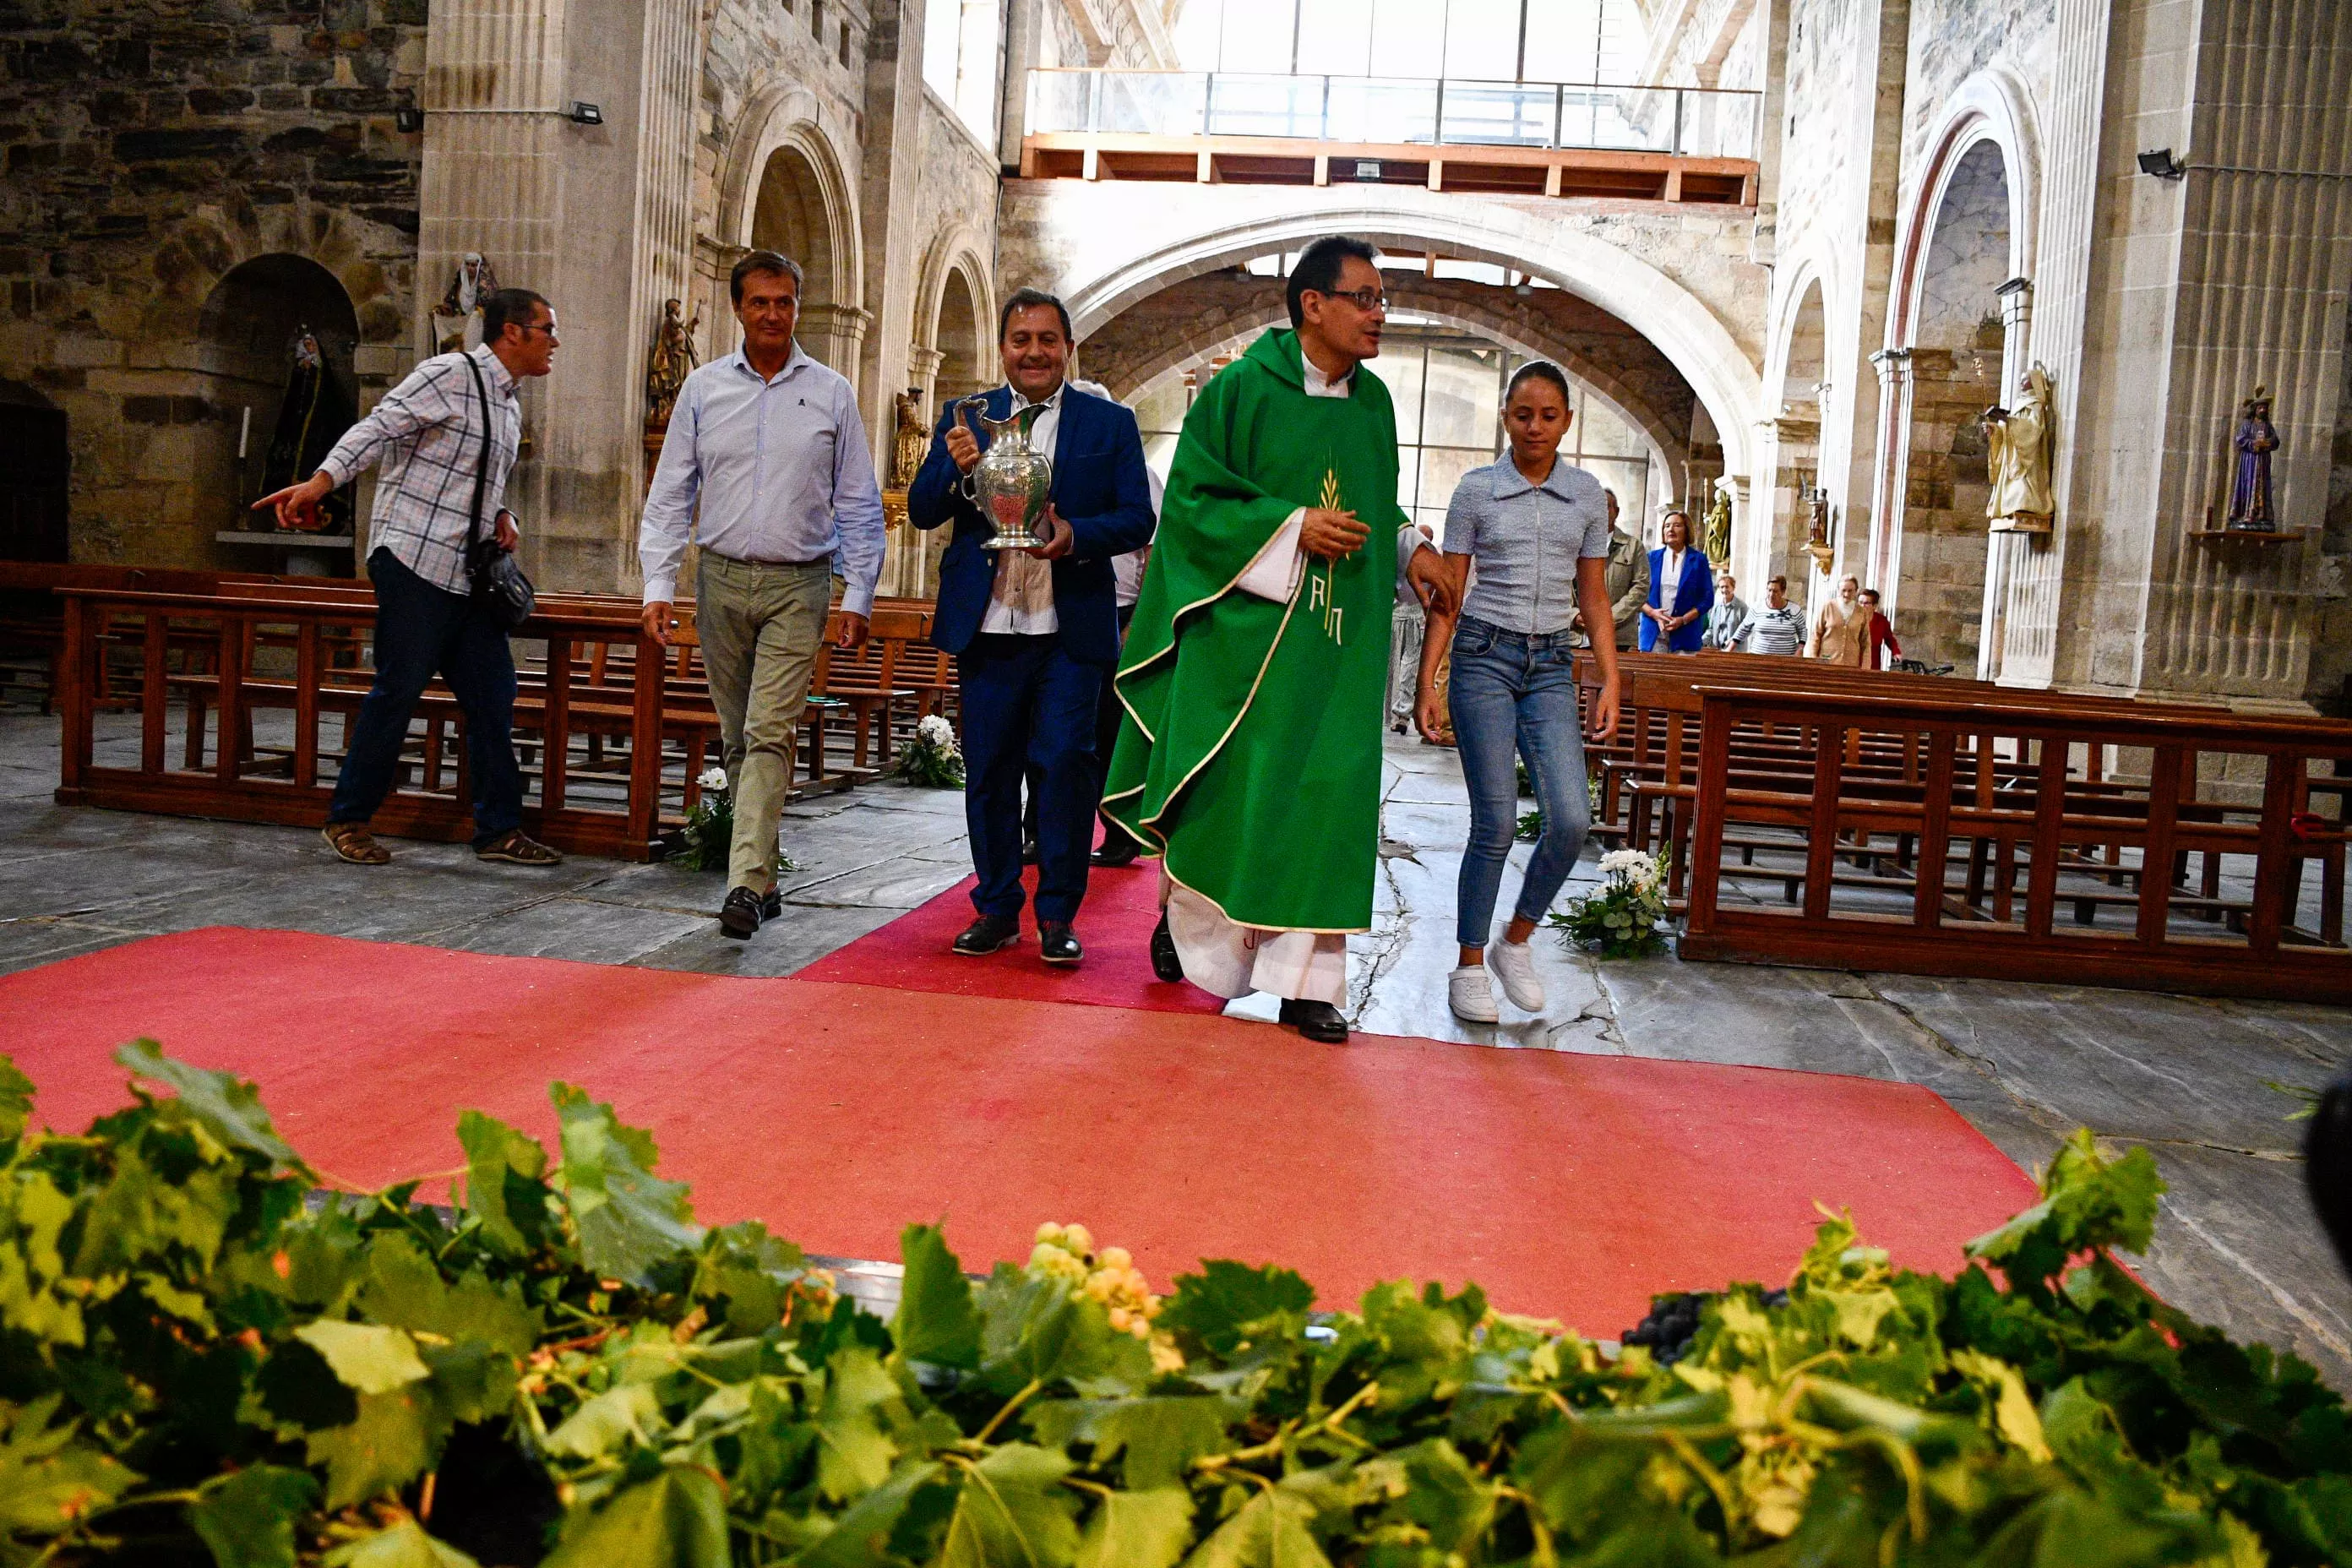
x=1512 y=691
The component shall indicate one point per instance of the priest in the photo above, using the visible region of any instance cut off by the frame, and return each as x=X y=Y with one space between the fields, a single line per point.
x=1254 y=670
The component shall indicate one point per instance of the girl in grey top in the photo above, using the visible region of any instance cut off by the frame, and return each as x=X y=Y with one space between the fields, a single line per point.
x=1539 y=531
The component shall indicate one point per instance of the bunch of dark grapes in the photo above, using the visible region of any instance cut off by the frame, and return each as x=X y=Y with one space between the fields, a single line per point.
x=1673 y=1321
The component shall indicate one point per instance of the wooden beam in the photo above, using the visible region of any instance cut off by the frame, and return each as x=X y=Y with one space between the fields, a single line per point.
x=1204 y=170
x=1551 y=179
x=1673 y=185
x=1437 y=173
x=1322 y=168
x=1092 y=168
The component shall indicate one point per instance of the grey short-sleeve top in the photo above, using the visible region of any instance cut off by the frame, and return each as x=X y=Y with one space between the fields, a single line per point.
x=1524 y=540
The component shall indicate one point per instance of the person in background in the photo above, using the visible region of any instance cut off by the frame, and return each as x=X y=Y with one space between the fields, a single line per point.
x=1035 y=632
x=1778 y=628
x=1119 y=848
x=1682 y=589
x=1536 y=530
x=1842 y=631
x=1727 y=624
x=451 y=425
x=766 y=463
x=1628 y=582
x=1882 y=633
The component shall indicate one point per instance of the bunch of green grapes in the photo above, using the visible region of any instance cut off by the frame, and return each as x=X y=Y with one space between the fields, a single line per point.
x=1066 y=1252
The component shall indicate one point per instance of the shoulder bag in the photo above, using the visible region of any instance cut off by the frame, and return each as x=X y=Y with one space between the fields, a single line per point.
x=500 y=584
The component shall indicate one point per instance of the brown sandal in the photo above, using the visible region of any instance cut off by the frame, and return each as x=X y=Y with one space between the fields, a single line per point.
x=351 y=841
x=517 y=848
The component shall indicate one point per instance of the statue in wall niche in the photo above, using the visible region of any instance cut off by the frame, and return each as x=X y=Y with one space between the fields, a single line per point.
x=2252 y=509
x=672 y=359
x=1817 y=516
x=910 y=441
x=1715 y=539
x=311 y=417
x=457 y=318
x=2021 y=451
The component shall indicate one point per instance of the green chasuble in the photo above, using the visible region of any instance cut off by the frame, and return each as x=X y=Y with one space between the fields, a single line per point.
x=1251 y=746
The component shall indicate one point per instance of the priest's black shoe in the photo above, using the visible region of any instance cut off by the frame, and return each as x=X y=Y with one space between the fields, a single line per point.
x=1057 y=944
x=1317 y=1021
x=987 y=934
x=1118 y=851
x=1164 y=961
x=740 y=915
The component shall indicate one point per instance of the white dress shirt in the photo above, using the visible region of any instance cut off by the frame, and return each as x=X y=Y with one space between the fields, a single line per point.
x=781 y=469
x=1670 y=582
x=1021 y=600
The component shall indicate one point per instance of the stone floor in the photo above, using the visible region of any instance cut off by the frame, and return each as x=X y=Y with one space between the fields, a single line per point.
x=2025 y=1064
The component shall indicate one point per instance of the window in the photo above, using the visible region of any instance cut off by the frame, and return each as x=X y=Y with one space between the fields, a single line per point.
x=1489 y=40
x=961 y=50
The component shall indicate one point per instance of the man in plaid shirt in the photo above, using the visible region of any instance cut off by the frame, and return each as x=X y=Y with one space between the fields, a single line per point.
x=430 y=432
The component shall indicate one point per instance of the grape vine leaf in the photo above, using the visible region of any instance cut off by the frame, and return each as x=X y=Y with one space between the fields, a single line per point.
x=854 y=1455
x=1160 y=1436
x=404 y=1545
x=1271 y=1530
x=1138 y=1529
x=46 y=1480
x=247 y=1518
x=367 y=1357
x=1013 y=1511
x=1227 y=1302
x=2087 y=1202
x=229 y=1108
x=859 y=1536
x=630 y=1220
x=506 y=1187
x=936 y=1321
x=1034 y=1330
x=389 y=1444
x=608 y=1424
x=15 y=1101
x=677 y=1519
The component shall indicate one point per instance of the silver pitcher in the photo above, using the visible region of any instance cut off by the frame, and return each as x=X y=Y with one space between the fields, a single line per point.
x=1011 y=484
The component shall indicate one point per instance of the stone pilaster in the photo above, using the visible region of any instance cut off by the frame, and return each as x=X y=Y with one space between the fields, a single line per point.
x=1874 y=560
x=890 y=207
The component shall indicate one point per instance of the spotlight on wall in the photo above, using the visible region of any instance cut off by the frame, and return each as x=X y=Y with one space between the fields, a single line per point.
x=2161 y=165
x=408 y=119
x=585 y=113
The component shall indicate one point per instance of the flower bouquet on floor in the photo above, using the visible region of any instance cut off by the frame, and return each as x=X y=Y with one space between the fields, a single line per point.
x=932 y=758
x=710 y=827
x=1621 y=920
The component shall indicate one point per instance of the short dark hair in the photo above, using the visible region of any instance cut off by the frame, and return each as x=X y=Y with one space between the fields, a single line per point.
x=763 y=261
x=1872 y=595
x=1029 y=299
x=1319 y=265
x=502 y=306
x=1780 y=583
x=1537 y=370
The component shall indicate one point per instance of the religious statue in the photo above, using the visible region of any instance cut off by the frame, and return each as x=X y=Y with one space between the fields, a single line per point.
x=1715 y=539
x=311 y=417
x=2252 y=509
x=672 y=358
x=457 y=318
x=2020 y=448
x=1817 y=516
x=909 y=442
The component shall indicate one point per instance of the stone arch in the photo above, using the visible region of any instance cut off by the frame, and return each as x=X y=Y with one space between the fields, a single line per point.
x=783 y=187
x=955 y=315
x=1795 y=369
x=191 y=260
x=36 y=467
x=1675 y=320
x=1989 y=107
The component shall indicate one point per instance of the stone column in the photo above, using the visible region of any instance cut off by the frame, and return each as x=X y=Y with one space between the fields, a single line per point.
x=2016 y=298
x=890 y=206
x=835 y=335
x=1890 y=478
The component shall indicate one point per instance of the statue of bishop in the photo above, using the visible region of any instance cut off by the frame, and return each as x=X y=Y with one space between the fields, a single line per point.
x=2021 y=451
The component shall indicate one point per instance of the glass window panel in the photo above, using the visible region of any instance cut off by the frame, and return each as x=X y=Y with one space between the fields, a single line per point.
x=1408 y=476
x=1601 y=433
x=1563 y=40
x=1623 y=41
x=1482 y=40
x=1464 y=398
x=1258 y=36
x=1471 y=271
x=940 y=24
x=1406 y=36
x=1200 y=28
x=1399 y=365
x=1442 y=468
x=1334 y=35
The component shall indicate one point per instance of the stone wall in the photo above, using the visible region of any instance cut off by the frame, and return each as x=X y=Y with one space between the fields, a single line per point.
x=151 y=150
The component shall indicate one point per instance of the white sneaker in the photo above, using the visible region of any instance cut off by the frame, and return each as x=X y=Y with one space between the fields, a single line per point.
x=1471 y=997
x=1515 y=966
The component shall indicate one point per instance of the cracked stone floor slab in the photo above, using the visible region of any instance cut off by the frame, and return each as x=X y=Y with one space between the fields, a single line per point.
x=2024 y=1064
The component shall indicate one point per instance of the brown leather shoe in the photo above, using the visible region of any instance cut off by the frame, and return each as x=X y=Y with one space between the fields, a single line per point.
x=351 y=841
x=519 y=849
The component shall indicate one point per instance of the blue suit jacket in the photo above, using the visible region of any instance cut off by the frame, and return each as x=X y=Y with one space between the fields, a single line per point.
x=1102 y=490
x=1695 y=591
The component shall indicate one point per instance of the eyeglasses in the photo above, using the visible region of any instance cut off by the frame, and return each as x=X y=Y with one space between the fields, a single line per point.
x=547 y=327
x=1368 y=300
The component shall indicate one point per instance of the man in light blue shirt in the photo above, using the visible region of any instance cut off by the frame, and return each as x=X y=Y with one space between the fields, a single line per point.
x=768 y=443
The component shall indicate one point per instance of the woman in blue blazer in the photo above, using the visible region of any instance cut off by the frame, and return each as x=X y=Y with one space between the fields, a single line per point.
x=1693 y=575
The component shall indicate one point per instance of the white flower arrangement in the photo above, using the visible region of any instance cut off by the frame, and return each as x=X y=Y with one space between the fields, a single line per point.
x=937 y=732
x=1621 y=920
x=932 y=758
x=710 y=827
x=712 y=779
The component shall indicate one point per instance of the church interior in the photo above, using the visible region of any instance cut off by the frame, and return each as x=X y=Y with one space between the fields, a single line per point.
x=2010 y=978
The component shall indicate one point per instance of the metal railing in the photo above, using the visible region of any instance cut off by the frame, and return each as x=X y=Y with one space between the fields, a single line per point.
x=1690 y=122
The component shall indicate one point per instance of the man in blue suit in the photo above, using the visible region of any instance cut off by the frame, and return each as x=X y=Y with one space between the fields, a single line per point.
x=1034 y=632
x=1682 y=590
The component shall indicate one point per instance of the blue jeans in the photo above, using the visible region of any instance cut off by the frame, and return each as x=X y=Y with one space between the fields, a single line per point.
x=1509 y=690
x=1028 y=705
x=421 y=630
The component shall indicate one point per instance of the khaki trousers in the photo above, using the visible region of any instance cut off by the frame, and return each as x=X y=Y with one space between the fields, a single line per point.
x=760 y=626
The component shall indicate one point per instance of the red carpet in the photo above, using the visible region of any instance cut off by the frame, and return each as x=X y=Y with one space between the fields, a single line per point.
x=1115 y=924
x=1568 y=1185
